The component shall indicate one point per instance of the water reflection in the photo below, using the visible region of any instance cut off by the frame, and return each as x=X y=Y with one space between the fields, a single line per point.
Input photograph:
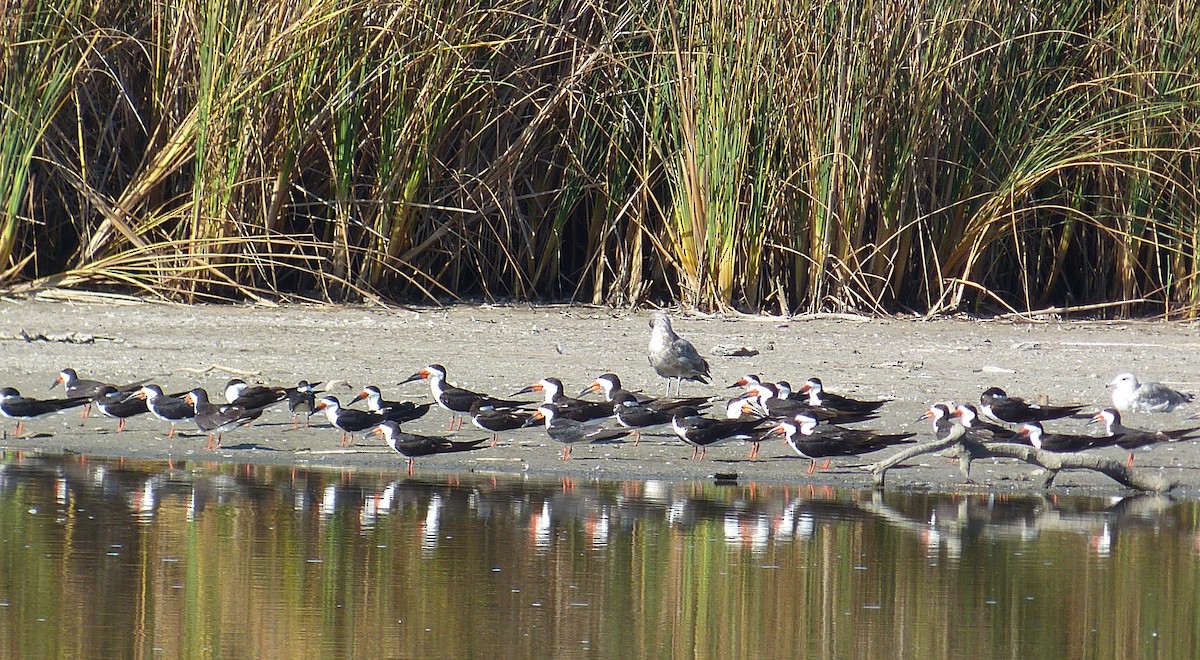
x=103 y=559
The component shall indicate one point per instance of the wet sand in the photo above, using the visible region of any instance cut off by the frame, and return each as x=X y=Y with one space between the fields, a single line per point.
x=501 y=349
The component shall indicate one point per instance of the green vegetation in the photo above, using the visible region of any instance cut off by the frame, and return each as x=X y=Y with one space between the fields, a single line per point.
x=874 y=156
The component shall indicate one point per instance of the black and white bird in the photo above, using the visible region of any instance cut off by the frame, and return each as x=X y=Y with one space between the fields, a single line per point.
x=252 y=397
x=1129 y=395
x=215 y=420
x=817 y=396
x=704 y=432
x=1058 y=442
x=396 y=411
x=119 y=405
x=75 y=387
x=491 y=418
x=569 y=407
x=412 y=446
x=1129 y=438
x=968 y=416
x=348 y=420
x=672 y=356
x=302 y=400
x=455 y=399
x=167 y=408
x=812 y=440
x=995 y=403
x=610 y=385
x=23 y=409
x=637 y=415
x=570 y=432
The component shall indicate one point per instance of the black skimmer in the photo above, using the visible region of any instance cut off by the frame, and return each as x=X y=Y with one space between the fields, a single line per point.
x=569 y=432
x=1129 y=395
x=995 y=403
x=637 y=415
x=745 y=382
x=1058 y=442
x=704 y=432
x=812 y=440
x=23 y=409
x=943 y=420
x=968 y=416
x=779 y=407
x=936 y=412
x=745 y=406
x=76 y=387
x=167 y=408
x=491 y=418
x=786 y=391
x=610 y=385
x=215 y=420
x=571 y=408
x=302 y=400
x=347 y=420
x=1127 y=438
x=455 y=399
x=396 y=411
x=671 y=356
x=817 y=396
x=412 y=446
x=252 y=397
x=119 y=405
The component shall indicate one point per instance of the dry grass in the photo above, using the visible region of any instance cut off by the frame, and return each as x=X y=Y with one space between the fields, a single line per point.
x=877 y=156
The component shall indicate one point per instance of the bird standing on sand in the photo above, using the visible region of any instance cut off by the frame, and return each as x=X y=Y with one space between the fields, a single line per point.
x=348 y=420
x=455 y=399
x=672 y=356
x=1129 y=438
x=491 y=418
x=411 y=446
x=215 y=420
x=569 y=431
x=1129 y=395
x=396 y=411
x=119 y=405
x=997 y=404
x=252 y=397
x=1058 y=442
x=302 y=400
x=812 y=440
x=22 y=409
x=569 y=407
x=167 y=408
x=78 y=387
x=704 y=432
x=817 y=396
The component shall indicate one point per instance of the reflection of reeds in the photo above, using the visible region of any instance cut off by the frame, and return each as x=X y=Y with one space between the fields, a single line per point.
x=874 y=156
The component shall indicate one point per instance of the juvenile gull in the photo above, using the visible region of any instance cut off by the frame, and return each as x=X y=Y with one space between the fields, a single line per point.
x=672 y=356
x=1131 y=396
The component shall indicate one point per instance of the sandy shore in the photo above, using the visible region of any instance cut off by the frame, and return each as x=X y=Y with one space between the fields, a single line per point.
x=502 y=349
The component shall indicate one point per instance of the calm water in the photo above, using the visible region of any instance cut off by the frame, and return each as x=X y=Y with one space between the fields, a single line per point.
x=99 y=559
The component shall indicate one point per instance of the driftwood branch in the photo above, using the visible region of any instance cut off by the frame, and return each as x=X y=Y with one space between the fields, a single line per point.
x=879 y=470
x=967 y=450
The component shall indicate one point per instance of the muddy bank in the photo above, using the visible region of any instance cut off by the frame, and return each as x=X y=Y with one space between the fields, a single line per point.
x=502 y=349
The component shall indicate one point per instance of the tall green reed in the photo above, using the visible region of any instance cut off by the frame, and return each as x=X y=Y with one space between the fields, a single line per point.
x=875 y=156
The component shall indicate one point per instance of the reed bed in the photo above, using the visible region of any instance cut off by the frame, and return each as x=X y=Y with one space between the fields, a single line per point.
x=876 y=156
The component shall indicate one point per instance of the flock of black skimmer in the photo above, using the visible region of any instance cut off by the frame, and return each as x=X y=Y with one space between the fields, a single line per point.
x=809 y=419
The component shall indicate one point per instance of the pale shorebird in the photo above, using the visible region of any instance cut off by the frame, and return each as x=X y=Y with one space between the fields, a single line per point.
x=672 y=356
x=1129 y=395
